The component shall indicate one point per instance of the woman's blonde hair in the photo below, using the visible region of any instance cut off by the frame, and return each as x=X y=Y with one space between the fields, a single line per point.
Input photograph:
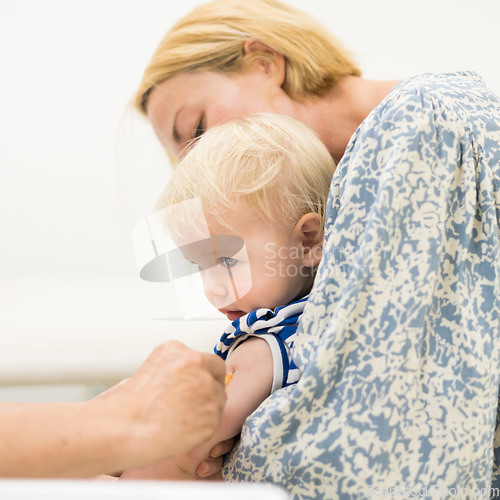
x=212 y=38
x=268 y=166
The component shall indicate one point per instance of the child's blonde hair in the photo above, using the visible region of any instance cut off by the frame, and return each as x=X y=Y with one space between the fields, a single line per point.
x=270 y=166
x=212 y=38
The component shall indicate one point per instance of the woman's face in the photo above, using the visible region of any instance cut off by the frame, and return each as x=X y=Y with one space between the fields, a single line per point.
x=187 y=104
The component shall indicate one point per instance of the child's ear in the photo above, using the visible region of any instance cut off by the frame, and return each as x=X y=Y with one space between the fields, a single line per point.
x=309 y=231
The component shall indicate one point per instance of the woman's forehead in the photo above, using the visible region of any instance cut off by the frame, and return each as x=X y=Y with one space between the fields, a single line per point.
x=164 y=105
x=182 y=89
x=188 y=102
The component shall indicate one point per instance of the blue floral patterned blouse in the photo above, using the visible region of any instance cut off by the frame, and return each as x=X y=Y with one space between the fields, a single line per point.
x=399 y=341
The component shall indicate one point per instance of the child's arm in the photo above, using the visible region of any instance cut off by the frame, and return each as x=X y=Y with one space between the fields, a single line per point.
x=251 y=365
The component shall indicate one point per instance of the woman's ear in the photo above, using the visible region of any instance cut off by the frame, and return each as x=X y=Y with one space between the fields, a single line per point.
x=309 y=232
x=273 y=63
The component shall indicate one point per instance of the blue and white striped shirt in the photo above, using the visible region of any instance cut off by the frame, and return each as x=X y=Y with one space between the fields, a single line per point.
x=277 y=327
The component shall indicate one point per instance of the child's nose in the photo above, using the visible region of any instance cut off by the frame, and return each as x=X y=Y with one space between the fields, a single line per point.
x=214 y=283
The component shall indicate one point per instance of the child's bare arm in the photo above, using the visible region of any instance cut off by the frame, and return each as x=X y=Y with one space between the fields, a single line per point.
x=251 y=365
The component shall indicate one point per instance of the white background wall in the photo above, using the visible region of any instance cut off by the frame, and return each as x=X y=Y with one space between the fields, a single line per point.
x=77 y=171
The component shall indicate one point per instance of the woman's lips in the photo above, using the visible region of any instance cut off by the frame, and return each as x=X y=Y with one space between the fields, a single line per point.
x=232 y=315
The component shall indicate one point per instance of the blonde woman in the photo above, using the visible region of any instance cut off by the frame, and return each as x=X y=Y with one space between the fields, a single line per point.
x=399 y=343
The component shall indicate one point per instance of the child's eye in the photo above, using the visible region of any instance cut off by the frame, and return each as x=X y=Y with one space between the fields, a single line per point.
x=227 y=261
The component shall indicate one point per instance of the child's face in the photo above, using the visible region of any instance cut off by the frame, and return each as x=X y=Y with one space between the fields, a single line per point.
x=275 y=266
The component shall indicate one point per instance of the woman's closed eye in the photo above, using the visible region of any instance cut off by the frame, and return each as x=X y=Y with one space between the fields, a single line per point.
x=227 y=261
x=199 y=130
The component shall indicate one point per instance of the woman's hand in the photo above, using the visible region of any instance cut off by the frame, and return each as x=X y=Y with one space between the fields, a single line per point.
x=213 y=464
x=180 y=468
x=171 y=404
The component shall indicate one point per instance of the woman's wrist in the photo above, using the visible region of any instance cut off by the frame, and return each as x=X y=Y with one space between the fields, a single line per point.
x=114 y=435
x=127 y=440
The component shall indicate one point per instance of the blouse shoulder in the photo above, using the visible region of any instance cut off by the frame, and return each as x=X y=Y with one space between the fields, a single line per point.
x=459 y=99
x=458 y=107
x=462 y=94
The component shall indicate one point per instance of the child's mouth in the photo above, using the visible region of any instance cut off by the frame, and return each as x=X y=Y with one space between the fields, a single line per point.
x=232 y=315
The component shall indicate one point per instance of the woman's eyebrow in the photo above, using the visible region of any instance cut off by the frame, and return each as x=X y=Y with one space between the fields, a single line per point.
x=177 y=137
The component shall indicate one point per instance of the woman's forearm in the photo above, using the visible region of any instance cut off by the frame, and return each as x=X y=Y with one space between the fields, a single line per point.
x=171 y=404
x=58 y=440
